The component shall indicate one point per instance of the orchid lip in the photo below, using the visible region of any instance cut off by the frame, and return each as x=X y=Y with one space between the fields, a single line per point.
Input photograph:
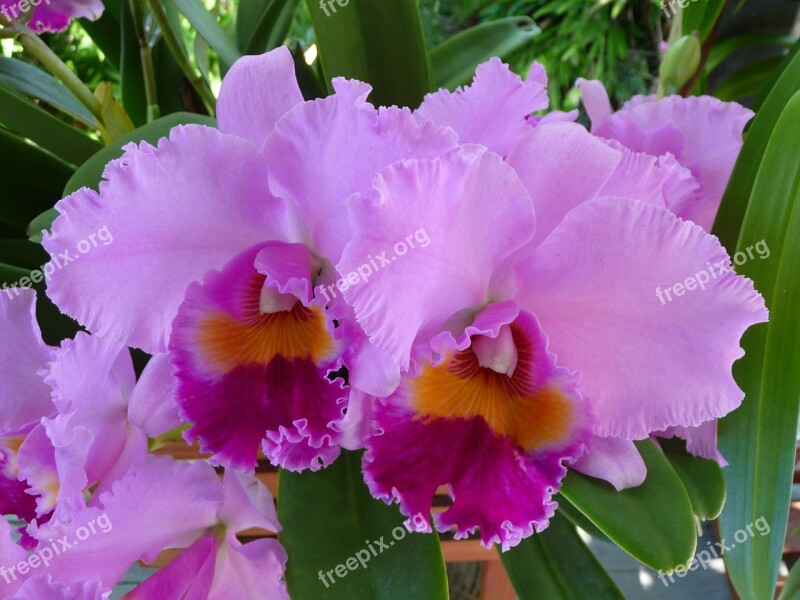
x=498 y=354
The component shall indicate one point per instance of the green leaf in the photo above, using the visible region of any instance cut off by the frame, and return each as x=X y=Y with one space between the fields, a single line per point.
x=453 y=62
x=653 y=522
x=702 y=478
x=557 y=565
x=134 y=100
x=262 y=26
x=207 y=26
x=748 y=80
x=33 y=82
x=791 y=589
x=33 y=180
x=740 y=186
x=25 y=118
x=330 y=520
x=377 y=41
x=728 y=46
x=788 y=59
x=759 y=439
x=91 y=172
x=702 y=16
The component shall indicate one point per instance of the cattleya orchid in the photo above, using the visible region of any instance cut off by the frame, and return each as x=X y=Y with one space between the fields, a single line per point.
x=50 y=16
x=521 y=337
x=248 y=220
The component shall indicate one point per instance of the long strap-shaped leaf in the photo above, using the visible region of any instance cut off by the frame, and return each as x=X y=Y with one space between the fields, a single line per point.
x=377 y=41
x=759 y=439
x=454 y=60
x=653 y=522
x=344 y=544
x=557 y=565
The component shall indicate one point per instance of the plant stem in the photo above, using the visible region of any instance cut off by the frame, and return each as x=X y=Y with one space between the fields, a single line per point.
x=146 y=56
x=171 y=38
x=31 y=42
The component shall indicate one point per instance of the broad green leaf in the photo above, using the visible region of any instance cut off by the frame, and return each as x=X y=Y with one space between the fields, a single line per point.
x=377 y=41
x=557 y=565
x=578 y=519
x=740 y=186
x=702 y=478
x=748 y=80
x=32 y=179
x=788 y=59
x=91 y=172
x=207 y=26
x=453 y=62
x=702 y=16
x=654 y=522
x=27 y=119
x=262 y=26
x=728 y=46
x=333 y=527
x=35 y=83
x=791 y=589
x=759 y=439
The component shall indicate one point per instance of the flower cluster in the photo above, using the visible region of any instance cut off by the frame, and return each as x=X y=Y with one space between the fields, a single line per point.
x=519 y=338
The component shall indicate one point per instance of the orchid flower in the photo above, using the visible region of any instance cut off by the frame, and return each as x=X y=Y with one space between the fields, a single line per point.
x=220 y=239
x=533 y=307
x=704 y=134
x=160 y=504
x=51 y=16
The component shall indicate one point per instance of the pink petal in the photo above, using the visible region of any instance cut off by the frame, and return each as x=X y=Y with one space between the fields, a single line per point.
x=187 y=577
x=171 y=213
x=703 y=133
x=614 y=460
x=646 y=365
x=160 y=504
x=498 y=486
x=153 y=406
x=225 y=368
x=430 y=229
x=248 y=504
x=700 y=441
x=324 y=151
x=252 y=571
x=24 y=397
x=256 y=92
x=493 y=110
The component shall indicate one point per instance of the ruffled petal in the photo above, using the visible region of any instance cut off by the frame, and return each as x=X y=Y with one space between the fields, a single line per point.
x=92 y=379
x=324 y=151
x=247 y=376
x=248 y=504
x=153 y=406
x=256 y=92
x=161 y=503
x=24 y=397
x=10 y=554
x=164 y=217
x=429 y=229
x=700 y=441
x=614 y=460
x=499 y=441
x=702 y=132
x=646 y=363
x=493 y=110
x=250 y=572
x=562 y=166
